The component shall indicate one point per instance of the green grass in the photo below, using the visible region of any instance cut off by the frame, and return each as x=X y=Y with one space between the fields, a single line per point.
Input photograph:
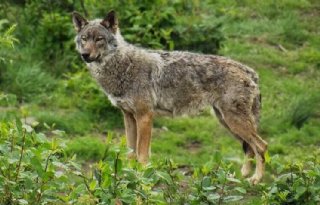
x=192 y=140
x=86 y=148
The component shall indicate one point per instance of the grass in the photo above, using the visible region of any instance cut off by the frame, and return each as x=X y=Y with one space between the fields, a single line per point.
x=87 y=148
x=191 y=140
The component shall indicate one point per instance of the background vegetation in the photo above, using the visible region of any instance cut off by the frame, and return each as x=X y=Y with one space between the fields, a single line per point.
x=61 y=141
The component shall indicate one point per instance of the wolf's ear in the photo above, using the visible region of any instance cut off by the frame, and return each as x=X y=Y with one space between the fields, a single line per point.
x=78 y=21
x=111 y=21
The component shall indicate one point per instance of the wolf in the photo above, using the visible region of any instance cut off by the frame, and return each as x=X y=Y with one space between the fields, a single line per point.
x=146 y=83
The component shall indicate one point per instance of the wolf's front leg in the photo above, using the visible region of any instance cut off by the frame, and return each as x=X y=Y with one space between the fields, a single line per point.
x=144 y=128
x=131 y=133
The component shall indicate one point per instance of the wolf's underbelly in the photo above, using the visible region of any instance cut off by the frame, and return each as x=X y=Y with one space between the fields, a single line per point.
x=182 y=103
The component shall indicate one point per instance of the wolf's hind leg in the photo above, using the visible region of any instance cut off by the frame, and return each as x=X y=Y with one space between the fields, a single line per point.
x=243 y=125
x=131 y=133
x=247 y=166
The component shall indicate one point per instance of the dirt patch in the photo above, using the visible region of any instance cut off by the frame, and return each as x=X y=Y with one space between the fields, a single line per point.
x=193 y=146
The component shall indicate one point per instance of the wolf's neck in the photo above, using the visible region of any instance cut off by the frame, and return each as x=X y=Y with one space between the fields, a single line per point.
x=114 y=72
x=118 y=71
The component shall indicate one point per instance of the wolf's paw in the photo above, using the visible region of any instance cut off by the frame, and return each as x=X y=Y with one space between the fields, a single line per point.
x=143 y=160
x=131 y=155
x=246 y=169
x=255 y=179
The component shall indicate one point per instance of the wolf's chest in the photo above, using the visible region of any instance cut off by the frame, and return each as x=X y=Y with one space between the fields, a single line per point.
x=121 y=102
x=111 y=80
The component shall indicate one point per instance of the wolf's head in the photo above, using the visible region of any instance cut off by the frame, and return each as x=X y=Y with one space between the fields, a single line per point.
x=97 y=38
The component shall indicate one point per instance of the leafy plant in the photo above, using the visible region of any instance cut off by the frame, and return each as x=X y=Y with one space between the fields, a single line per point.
x=33 y=169
x=7 y=39
x=27 y=81
x=297 y=184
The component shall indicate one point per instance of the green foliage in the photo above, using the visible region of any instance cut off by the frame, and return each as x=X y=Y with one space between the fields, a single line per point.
x=7 y=39
x=27 y=81
x=302 y=109
x=116 y=180
x=8 y=100
x=33 y=169
x=165 y=24
x=30 y=161
x=297 y=183
x=55 y=41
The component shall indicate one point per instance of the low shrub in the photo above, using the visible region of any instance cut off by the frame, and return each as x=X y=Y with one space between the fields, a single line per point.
x=296 y=183
x=35 y=170
x=27 y=81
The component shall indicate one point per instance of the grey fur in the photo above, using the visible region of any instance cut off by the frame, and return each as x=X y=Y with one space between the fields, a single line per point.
x=172 y=83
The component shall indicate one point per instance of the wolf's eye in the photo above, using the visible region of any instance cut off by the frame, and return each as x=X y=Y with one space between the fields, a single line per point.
x=100 y=38
x=84 y=38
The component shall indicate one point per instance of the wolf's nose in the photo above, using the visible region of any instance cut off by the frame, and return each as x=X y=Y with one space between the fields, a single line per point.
x=85 y=56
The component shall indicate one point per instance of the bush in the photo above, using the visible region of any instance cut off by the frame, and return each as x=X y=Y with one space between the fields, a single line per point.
x=33 y=169
x=54 y=42
x=297 y=183
x=163 y=25
x=27 y=81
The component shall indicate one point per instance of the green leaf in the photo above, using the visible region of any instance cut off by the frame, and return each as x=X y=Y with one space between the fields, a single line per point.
x=232 y=198
x=119 y=165
x=106 y=181
x=93 y=185
x=165 y=176
x=213 y=197
x=22 y=201
x=241 y=190
x=148 y=172
x=128 y=197
x=36 y=164
x=233 y=180
x=13 y=159
x=300 y=191
x=267 y=157
x=209 y=188
x=28 y=128
x=19 y=125
x=97 y=175
x=206 y=181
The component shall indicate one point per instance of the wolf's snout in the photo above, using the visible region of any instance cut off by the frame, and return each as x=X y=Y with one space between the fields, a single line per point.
x=88 y=58
x=85 y=56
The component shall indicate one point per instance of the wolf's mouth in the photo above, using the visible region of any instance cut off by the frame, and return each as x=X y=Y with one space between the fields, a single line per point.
x=87 y=59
